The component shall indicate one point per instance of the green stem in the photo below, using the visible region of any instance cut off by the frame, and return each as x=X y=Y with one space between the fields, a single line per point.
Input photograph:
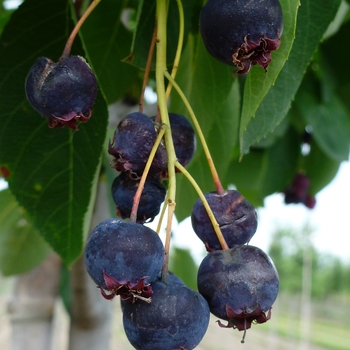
x=162 y=213
x=179 y=46
x=163 y=109
x=67 y=48
x=135 y=205
x=210 y=213
x=219 y=189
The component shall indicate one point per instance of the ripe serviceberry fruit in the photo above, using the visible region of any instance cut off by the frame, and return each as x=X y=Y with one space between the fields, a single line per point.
x=236 y=217
x=241 y=33
x=64 y=92
x=240 y=285
x=123 y=258
x=124 y=188
x=184 y=138
x=177 y=318
x=297 y=192
x=132 y=143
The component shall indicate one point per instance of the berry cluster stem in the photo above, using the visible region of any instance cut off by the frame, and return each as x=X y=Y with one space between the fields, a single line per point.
x=163 y=109
x=67 y=48
x=179 y=46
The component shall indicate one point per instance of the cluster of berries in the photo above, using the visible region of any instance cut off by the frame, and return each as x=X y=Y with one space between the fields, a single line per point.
x=240 y=283
x=237 y=282
x=126 y=258
x=131 y=145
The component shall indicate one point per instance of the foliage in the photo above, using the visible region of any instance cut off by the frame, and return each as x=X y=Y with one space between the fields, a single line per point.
x=254 y=126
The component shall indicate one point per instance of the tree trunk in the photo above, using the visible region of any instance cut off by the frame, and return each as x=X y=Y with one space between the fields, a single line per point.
x=32 y=306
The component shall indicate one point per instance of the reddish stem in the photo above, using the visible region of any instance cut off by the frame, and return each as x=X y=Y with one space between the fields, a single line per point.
x=148 y=67
x=68 y=47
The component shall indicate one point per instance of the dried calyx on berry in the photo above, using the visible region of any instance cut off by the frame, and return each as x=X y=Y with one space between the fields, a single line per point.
x=64 y=92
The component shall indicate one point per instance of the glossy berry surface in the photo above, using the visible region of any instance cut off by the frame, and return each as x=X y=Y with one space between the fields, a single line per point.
x=241 y=33
x=132 y=143
x=153 y=194
x=64 y=92
x=240 y=285
x=177 y=318
x=236 y=217
x=123 y=258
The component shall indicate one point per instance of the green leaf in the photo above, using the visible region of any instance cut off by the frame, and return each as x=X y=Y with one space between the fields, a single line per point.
x=330 y=126
x=313 y=20
x=215 y=99
x=319 y=168
x=21 y=247
x=258 y=82
x=52 y=171
x=265 y=171
x=107 y=41
x=337 y=63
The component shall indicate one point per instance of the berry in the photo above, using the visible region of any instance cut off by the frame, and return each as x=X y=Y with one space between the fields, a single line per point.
x=123 y=258
x=184 y=138
x=241 y=33
x=124 y=188
x=132 y=143
x=240 y=285
x=297 y=192
x=177 y=318
x=236 y=217
x=64 y=92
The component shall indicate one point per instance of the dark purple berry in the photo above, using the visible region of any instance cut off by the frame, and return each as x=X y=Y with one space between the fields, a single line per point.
x=153 y=194
x=236 y=217
x=176 y=319
x=64 y=92
x=241 y=33
x=123 y=258
x=298 y=192
x=132 y=143
x=184 y=138
x=240 y=285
